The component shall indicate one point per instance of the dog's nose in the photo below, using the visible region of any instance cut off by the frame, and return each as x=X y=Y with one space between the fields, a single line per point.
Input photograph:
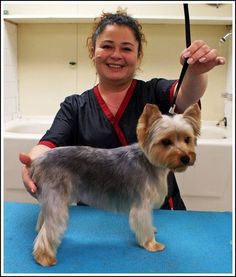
x=185 y=159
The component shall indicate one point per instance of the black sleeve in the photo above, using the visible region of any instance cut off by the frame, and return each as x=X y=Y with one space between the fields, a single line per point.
x=164 y=90
x=62 y=130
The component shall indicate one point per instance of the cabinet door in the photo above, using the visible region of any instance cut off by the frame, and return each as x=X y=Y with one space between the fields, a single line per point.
x=45 y=74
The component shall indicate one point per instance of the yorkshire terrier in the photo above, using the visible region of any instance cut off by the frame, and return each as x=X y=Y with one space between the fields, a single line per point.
x=130 y=179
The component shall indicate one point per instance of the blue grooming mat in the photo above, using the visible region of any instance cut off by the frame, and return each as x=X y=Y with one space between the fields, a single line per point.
x=98 y=242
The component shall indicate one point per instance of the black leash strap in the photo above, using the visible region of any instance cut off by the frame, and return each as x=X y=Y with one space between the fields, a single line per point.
x=185 y=66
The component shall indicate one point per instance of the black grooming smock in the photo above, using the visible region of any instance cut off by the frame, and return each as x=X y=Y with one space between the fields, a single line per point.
x=86 y=120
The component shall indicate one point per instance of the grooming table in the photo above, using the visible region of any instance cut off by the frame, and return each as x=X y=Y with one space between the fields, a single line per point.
x=97 y=241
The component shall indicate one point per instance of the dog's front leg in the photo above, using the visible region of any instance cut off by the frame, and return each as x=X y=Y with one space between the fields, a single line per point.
x=140 y=220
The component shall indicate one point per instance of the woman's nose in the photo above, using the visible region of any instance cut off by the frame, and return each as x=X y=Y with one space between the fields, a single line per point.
x=116 y=54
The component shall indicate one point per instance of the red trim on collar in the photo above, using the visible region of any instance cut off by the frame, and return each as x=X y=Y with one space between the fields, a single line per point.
x=171 y=203
x=114 y=120
x=126 y=100
x=47 y=143
x=172 y=90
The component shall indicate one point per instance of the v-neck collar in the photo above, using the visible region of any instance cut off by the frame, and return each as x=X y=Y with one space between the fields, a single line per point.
x=114 y=120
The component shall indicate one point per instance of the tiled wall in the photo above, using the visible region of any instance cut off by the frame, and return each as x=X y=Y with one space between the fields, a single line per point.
x=10 y=72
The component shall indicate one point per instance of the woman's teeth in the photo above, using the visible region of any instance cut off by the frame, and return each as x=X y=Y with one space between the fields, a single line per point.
x=114 y=65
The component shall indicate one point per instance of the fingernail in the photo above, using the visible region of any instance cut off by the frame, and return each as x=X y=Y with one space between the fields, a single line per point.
x=202 y=60
x=33 y=190
x=190 y=61
x=186 y=54
x=222 y=61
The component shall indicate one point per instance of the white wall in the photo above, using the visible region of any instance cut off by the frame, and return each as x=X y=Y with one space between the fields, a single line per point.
x=10 y=71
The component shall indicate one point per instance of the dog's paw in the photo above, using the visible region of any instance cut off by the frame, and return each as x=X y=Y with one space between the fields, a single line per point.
x=153 y=246
x=44 y=259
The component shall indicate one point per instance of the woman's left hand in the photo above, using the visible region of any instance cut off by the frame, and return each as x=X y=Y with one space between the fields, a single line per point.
x=201 y=58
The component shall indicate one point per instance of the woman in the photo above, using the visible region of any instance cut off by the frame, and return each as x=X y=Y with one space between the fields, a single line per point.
x=106 y=115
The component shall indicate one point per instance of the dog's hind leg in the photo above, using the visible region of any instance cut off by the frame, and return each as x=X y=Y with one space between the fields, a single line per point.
x=55 y=215
x=39 y=221
x=140 y=220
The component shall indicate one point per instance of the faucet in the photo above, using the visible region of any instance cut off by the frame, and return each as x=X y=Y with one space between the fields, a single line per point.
x=225 y=37
x=224 y=120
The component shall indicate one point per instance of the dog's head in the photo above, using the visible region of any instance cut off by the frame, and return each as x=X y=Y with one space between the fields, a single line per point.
x=169 y=141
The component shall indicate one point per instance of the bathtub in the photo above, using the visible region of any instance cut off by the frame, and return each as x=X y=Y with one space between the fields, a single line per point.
x=20 y=135
x=205 y=186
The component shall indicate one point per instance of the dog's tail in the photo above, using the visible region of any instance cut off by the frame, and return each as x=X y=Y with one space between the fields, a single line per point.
x=25 y=159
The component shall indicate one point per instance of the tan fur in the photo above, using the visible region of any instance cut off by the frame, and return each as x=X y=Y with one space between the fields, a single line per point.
x=154 y=246
x=150 y=114
x=193 y=116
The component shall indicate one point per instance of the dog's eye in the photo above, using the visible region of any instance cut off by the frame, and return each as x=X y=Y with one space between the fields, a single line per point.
x=166 y=142
x=187 y=140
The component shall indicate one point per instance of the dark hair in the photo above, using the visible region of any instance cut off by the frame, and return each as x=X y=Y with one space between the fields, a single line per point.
x=122 y=19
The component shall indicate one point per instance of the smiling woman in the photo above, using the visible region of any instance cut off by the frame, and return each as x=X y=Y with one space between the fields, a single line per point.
x=106 y=115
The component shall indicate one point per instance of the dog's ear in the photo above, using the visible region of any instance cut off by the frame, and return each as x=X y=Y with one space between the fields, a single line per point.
x=193 y=115
x=150 y=114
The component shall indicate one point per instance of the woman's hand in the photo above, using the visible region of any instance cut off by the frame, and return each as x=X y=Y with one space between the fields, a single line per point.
x=201 y=58
x=36 y=151
x=28 y=182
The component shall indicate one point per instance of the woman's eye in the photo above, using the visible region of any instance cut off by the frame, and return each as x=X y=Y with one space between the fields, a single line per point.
x=106 y=46
x=127 y=49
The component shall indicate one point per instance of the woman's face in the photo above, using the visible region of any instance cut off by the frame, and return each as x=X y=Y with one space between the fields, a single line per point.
x=116 y=54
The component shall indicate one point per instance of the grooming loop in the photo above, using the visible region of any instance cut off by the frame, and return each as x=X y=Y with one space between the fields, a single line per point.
x=185 y=66
x=172 y=110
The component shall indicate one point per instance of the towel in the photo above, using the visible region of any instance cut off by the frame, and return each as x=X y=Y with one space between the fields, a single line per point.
x=101 y=242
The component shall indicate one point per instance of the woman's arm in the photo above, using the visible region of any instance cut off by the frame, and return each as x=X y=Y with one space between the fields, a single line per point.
x=201 y=59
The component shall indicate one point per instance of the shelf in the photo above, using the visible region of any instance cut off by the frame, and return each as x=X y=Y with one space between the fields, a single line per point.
x=19 y=19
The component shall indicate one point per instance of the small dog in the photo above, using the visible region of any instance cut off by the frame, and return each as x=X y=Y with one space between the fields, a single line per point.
x=131 y=179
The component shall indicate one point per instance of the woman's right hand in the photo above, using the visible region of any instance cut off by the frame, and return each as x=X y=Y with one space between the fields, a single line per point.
x=35 y=152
